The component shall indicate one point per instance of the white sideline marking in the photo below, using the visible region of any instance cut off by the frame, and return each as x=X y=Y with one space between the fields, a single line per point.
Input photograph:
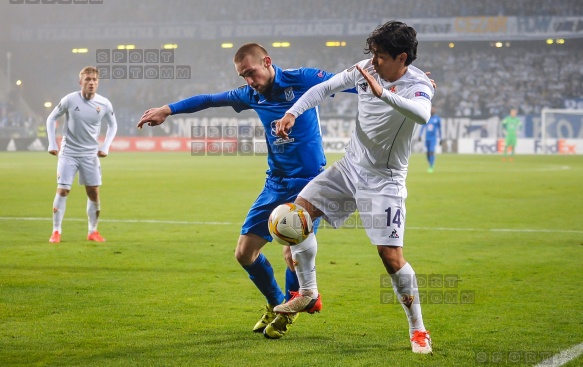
x=496 y=230
x=202 y=223
x=562 y=358
x=124 y=221
x=514 y=169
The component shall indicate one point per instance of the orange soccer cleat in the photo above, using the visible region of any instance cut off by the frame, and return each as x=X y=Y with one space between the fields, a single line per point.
x=55 y=237
x=95 y=236
x=421 y=342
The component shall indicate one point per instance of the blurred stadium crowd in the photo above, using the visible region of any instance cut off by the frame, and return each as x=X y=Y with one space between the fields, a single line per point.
x=251 y=10
x=474 y=79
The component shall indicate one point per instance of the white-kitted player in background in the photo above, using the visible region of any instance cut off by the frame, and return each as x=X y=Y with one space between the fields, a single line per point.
x=80 y=151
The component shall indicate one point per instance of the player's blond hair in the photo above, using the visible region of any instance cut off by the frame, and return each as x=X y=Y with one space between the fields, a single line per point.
x=253 y=49
x=88 y=70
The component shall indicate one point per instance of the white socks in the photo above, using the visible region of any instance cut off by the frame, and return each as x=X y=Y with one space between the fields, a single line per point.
x=92 y=215
x=405 y=287
x=304 y=257
x=59 y=206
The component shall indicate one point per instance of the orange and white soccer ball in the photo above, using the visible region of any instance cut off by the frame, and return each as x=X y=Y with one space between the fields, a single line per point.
x=290 y=224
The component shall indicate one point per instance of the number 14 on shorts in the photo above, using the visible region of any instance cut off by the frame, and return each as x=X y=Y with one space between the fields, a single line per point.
x=393 y=216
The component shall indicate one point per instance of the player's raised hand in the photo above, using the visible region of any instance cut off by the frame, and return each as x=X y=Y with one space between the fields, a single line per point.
x=375 y=87
x=154 y=116
x=428 y=73
x=283 y=126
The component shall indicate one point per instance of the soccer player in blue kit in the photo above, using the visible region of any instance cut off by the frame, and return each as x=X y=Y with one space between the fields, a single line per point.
x=432 y=131
x=293 y=162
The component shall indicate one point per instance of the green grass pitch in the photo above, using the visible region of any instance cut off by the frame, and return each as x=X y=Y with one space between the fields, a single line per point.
x=165 y=289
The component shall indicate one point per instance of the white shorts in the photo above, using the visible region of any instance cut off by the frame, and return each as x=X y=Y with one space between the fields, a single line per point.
x=89 y=169
x=344 y=188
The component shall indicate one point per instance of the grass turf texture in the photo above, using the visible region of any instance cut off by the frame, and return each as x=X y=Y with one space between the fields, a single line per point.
x=172 y=294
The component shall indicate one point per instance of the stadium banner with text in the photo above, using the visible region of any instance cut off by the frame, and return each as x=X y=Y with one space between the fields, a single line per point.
x=153 y=144
x=120 y=144
x=436 y=29
x=257 y=145
x=195 y=145
x=523 y=146
x=573 y=103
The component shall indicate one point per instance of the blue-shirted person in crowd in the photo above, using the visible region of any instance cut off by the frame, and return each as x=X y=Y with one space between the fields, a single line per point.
x=293 y=162
x=432 y=136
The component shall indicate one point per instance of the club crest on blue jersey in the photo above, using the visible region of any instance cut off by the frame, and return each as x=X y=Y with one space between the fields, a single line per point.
x=289 y=94
x=280 y=141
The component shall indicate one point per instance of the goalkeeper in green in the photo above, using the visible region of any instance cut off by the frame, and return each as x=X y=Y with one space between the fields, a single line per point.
x=511 y=124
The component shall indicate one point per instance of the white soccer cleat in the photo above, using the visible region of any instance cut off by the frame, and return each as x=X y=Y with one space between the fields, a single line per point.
x=300 y=303
x=421 y=342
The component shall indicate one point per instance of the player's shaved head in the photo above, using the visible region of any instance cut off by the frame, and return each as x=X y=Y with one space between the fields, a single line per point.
x=250 y=49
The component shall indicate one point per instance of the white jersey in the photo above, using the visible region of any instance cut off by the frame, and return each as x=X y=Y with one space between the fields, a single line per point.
x=381 y=141
x=82 y=125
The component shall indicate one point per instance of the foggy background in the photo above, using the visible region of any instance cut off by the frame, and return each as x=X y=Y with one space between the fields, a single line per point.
x=475 y=78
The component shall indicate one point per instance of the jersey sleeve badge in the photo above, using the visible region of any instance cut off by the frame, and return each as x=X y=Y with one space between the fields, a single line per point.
x=422 y=94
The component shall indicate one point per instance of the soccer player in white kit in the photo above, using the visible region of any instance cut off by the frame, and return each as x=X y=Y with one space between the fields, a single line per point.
x=393 y=96
x=80 y=151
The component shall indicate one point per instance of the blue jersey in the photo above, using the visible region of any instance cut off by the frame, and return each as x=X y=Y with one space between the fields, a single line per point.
x=302 y=155
x=432 y=129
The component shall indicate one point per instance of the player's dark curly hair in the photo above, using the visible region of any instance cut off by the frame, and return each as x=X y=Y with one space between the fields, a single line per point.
x=395 y=38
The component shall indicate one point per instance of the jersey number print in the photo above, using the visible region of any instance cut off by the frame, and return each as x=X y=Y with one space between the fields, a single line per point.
x=395 y=219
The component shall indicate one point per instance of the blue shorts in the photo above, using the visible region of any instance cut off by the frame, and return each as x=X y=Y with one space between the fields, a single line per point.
x=277 y=190
x=430 y=144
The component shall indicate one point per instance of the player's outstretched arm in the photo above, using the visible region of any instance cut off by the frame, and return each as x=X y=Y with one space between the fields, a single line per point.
x=154 y=116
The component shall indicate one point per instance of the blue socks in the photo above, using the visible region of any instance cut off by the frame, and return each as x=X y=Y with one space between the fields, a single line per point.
x=261 y=274
x=431 y=159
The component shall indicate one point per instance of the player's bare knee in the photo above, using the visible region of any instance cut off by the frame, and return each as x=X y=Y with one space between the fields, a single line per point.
x=63 y=192
x=392 y=258
x=248 y=249
x=92 y=193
